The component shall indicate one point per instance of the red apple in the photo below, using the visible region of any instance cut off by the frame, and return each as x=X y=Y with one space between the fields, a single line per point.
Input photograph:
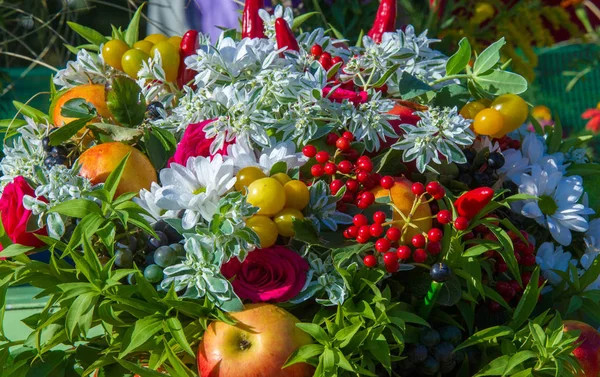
x=588 y=353
x=257 y=346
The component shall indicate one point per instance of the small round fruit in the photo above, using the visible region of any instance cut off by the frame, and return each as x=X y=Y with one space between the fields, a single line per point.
x=451 y=334
x=440 y=272
x=296 y=194
x=165 y=256
x=153 y=273
x=170 y=58
x=268 y=195
x=429 y=337
x=471 y=109
x=513 y=109
x=265 y=229
x=156 y=242
x=444 y=217
x=143 y=45
x=489 y=122
x=403 y=252
x=131 y=62
x=246 y=176
x=284 y=220
x=418 y=353
x=179 y=250
x=443 y=352
x=124 y=258
x=430 y=367
x=282 y=178
x=309 y=151
x=155 y=38
x=175 y=40
x=370 y=261
x=496 y=160
x=461 y=223
x=113 y=51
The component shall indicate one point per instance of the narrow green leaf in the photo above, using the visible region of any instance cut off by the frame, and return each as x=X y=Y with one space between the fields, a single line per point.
x=112 y=182
x=179 y=367
x=460 y=59
x=486 y=335
x=132 y=32
x=14 y=250
x=140 y=333
x=536 y=126
x=507 y=250
x=528 y=302
x=488 y=57
x=298 y=21
x=517 y=360
x=69 y=130
x=583 y=169
x=78 y=208
x=30 y=112
x=87 y=33
x=315 y=331
x=176 y=330
x=81 y=305
x=556 y=137
x=137 y=369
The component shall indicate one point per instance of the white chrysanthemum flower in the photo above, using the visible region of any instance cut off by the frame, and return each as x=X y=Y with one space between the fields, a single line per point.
x=484 y=142
x=592 y=236
x=243 y=155
x=85 y=69
x=280 y=12
x=147 y=200
x=195 y=188
x=515 y=165
x=550 y=258
x=557 y=206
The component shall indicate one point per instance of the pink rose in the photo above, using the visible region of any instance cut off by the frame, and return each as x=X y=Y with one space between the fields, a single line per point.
x=15 y=217
x=275 y=274
x=194 y=143
x=339 y=95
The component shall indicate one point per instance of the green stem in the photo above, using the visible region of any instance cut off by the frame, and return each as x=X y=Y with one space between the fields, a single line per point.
x=451 y=77
x=430 y=299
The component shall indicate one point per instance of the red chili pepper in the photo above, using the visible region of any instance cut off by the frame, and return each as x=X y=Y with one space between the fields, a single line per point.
x=252 y=25
x=472 y=202
x=188 y=46
x=385 y=21
x=284 y=35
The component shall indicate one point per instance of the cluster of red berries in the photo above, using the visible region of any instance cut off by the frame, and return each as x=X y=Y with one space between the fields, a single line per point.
x=324 y=58
x=511 y=291
x=524 y=251
x=506 y=142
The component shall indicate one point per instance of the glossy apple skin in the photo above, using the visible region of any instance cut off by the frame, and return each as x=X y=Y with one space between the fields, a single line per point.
x=257 y=346
x=403 y=198
x=588 y=353
x=100 y=160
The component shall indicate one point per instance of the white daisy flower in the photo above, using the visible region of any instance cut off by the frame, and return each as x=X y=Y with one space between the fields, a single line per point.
x=484 y=142
x=147 y=201
x=550 y=258
x=195 y=188
x=557 y=206
x=243 y=155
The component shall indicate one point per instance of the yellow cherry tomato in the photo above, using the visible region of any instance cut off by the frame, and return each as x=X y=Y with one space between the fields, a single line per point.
x=175 y=41
x=170 y=58
x=132 y=62
x=542 y=112
x=470 y=110
x=265 y=229
x=155 y=38
x=282 y=178
x=514 y=110
x=489 y=122
x=267 y=194
x=113 y=51
x=285 y=221
x=246 y=176
x=145 y=46
x=296 y=194
x=483 y=12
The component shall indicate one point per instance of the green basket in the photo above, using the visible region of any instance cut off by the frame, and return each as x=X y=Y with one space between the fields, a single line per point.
x=550 y=85
x=35 y=81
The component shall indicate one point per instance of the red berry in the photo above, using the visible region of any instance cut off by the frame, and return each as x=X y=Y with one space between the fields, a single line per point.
x=501 y=267
x=309 y=151
x=420 y=255
x=348 y=135
x=376 y=230
x=336 y=185
x=418 y=188
x=361 y=239
x=390 y=258
x=331 y=139
x=433 y=188
x=352 y=185
x=345 y=167
x=382 y=245
x=435 y=235
x=444 y=217
x=526 y=277
x=379 y=217
x=370 y=261
x=348 y=197
x=387 y=182
x=352 y=154
x=515 y=285
x=434 y=248
x=364 y=231
x=461 y=223
x=391 y=268
x=337 y=59
x=362 y=176
x=528 y=260
x=418 y=240
x=316 y=170
x=468 y=236
x=360 y=220
x=351 y=232
x=393 y=234
x=342 y=144
x=341 y=206
x=369 y=183
x=362 y=204
x=325 y=60
x=440 y=194
x=330 y=168
x=494 y=306
x=518 y=257
x=364 y=163
x=316 y=50
x=403 y=252
x=506 y=290
x=322 y=157
x=368 y=197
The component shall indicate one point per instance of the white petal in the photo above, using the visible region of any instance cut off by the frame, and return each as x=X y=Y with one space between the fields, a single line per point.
x=560 y=233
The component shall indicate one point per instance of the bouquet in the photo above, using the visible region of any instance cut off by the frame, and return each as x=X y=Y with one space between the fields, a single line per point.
x=284 y=204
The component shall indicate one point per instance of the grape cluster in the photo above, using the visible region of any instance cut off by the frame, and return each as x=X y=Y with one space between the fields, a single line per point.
x=434 y=354
x=55 y=155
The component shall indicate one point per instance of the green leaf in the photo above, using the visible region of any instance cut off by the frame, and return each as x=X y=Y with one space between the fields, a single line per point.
x=132 y=32
x=486 y=335
x=76 y=208
x=179 y=368
x=14 y=250
x=450 y=292
x=115 y=132
x=315 y=331
x=125 y=101
x=536 y=126
x=112 y=182
x=517 y=360
x=384 y=78
x=279 y=167
x=69 y=130
x=528 y=302
x=501 y=82
x=495 y=367
x=140 y=333
x=347 y=333
x=303 y=354
x=30 y=112
x=137 y=369
x=556 y=138
x=81 y=305
x=176 y=329
x=488 y=57
x=583 y=169
x=77 y=108
x=460 y=59
x=301 y=19
x=591 y=274
x=480 y=249
x=87 y=33
x=411 y=86
x=506 y=250
x=381 y=350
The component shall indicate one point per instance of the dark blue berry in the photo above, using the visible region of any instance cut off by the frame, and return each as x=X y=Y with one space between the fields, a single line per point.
x=58 y=150
x=160 y=226
x=443 y=352
x=153 y=273
x=172 y=234
x=418 y=353
x=46 y=143
x=440 y=272
x=156 y=242
x=153 y=110
x=124 y=258
x=495 y=160
x=131 y=279
x=429 y=337
x=164 y=256
x=451 y=334
x=430 y=367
